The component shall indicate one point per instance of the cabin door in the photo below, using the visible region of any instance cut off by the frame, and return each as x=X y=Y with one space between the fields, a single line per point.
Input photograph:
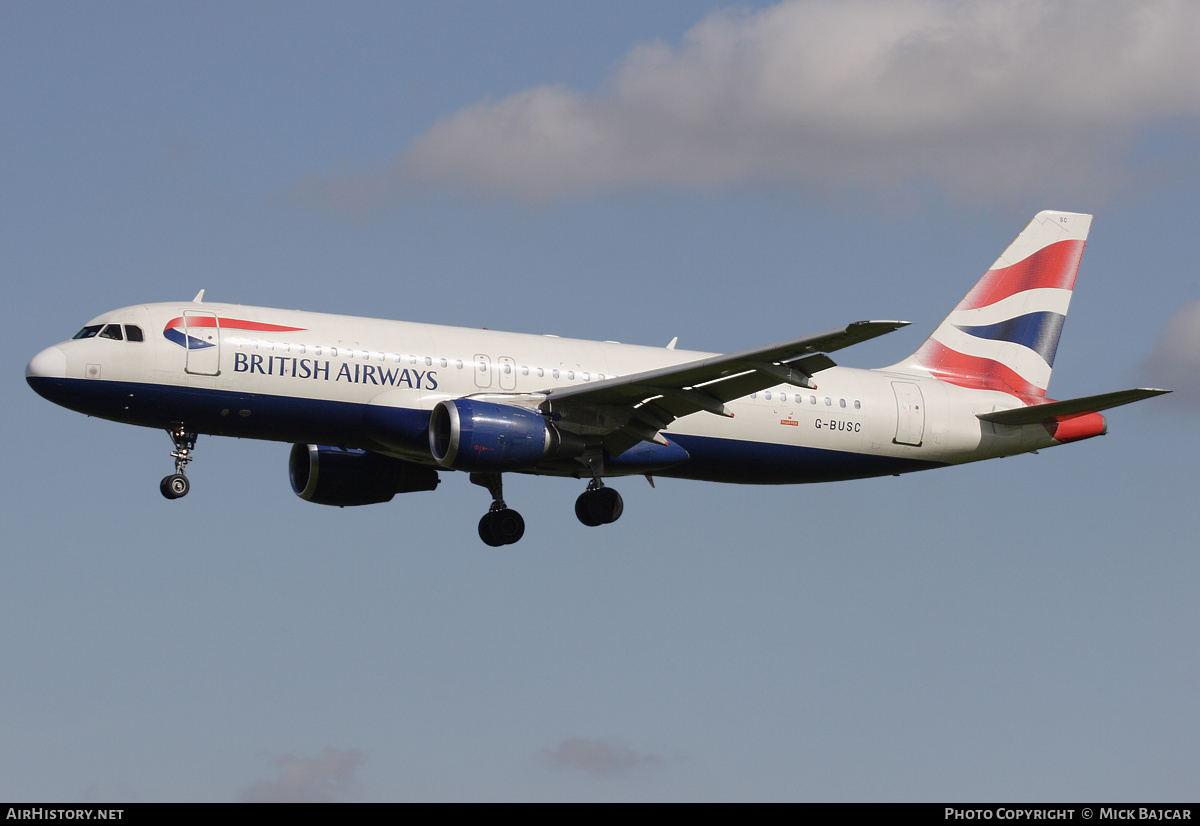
x=202 y=337
x=910 y=413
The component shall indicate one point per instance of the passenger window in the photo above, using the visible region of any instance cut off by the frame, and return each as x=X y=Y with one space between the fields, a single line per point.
x=841 y=402
x=133 y=333
x=857 y=404
x=556 y=373
x=570 y=375
x=828 y=402
x=767 y=395
x=88 y=332
x=112 y=331
x=541 y=372
x=783 y=397
x=428 y=361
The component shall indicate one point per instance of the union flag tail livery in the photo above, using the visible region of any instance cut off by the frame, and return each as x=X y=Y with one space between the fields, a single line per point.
x=1004 y=333
x=375 y=408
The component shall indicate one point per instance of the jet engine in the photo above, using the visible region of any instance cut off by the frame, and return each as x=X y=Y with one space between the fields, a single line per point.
x=478 y=436
x=336 y=476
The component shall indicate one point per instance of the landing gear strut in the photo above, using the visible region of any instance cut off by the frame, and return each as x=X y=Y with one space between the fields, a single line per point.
x=598 y=505
x=501 y=525
x=176 y=486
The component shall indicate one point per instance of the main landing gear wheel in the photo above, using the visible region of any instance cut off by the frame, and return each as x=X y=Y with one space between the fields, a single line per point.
x=599 y=505
x=174 y=487
x=501 y=527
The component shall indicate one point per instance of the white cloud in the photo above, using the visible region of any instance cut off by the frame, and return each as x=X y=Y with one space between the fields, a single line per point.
x=602 y=757
x=1174 y=363
x=985 y=99
x=324 y=779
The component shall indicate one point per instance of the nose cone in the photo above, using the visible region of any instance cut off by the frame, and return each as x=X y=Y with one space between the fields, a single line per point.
x=45 y=370
x=51 y=363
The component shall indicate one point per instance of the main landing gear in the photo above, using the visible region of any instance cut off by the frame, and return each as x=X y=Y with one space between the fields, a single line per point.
x=177 y=485
x=501 y=525
x=598 y=505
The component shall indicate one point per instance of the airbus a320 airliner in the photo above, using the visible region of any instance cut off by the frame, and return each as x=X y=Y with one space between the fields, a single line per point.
x=375 y=408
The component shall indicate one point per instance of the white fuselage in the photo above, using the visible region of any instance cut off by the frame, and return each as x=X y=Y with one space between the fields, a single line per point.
x=371 y=384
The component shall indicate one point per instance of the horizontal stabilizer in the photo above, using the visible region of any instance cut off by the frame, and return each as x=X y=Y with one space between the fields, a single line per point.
x=1037 y=413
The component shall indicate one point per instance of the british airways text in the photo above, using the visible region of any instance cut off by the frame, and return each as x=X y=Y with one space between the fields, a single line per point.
x=323 y=369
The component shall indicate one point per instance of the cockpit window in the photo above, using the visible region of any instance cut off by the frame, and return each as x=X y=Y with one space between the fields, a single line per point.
x=133 y=333
x=112 y=331
x=88 y=332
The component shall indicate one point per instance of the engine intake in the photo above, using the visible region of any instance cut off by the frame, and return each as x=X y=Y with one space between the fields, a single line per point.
x=336 y=476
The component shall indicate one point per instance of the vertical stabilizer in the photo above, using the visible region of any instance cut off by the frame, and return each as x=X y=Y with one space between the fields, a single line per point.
x=1004 y=333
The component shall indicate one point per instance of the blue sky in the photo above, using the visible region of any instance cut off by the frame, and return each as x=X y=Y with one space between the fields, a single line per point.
x=1022 y=629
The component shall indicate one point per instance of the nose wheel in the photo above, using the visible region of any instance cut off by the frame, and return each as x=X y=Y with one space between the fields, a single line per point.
x=599 y=505
x=177 y=485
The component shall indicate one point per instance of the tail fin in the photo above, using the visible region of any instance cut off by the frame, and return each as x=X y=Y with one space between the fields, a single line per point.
x=1004 y=333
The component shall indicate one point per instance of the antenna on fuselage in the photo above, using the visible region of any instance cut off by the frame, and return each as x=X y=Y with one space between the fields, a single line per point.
x=199 y=297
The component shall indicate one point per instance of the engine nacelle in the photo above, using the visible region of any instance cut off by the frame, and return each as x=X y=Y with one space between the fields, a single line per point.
x=466 y=434
x=335 y=476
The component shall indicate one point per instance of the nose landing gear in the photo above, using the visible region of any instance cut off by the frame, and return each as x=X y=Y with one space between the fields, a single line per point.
x=177 y=485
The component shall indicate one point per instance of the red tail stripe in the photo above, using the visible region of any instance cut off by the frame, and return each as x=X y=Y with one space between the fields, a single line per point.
x=1052 y=267
x=974 y=372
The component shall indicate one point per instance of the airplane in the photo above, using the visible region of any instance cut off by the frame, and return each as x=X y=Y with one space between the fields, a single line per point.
x=375 y=408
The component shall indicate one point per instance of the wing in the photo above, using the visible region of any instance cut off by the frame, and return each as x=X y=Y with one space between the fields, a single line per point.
x=634 y=408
